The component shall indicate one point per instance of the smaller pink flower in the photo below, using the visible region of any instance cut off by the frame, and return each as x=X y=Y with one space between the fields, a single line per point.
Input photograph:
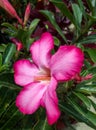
x=27 y=13
x=18 y=44
x=40 y=77
x=79 y=78
x=5 y=4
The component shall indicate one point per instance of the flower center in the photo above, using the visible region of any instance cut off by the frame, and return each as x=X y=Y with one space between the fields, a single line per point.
x=42 y=78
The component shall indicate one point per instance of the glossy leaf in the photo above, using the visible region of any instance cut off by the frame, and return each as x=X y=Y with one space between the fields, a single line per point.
x=88 y=89
x=8 y=53
x=80 y=2
x=2 y=47
x=83 y=98
x=56 y=41
x=89 y=2
x=33 y=25
x=7 y=80
x=0 y=59
x=51 y=18
x=70 y=110
x=42 y=125
x=63 y=8
x=92 y=54
x=88 y=115
x=88 y=39
x=11 y=30
x=77 y=14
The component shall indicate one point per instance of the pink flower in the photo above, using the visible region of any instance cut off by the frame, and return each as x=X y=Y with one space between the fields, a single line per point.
x=27 y=13
x=40 y=77
x=18 y=44
x=5 y=4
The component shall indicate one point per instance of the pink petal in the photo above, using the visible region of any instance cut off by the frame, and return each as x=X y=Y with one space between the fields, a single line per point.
x=50 y=102
x=29 y=98
x=40 y=50
x=24 y=72
x=66 y=62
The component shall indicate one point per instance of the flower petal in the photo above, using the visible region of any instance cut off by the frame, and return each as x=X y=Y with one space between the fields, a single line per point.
x=29 y=98
x=50 y=102
x=66 y=62
x=24 y=72
x=40 y=50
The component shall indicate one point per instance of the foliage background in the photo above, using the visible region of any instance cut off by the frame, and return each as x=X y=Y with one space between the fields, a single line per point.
x=71 y=22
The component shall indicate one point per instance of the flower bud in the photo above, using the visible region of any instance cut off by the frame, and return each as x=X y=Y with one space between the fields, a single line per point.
x=27 y=13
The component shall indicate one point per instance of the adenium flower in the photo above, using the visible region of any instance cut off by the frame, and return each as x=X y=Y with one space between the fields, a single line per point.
x=79 y=78
x=5 y=4
x=18 y=44
x=40 y=77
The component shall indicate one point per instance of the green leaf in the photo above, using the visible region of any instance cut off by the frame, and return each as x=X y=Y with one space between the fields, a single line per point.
x=92 y=54
x=42 y=122
x=7 y=80
x=84 y=99
x=2 y=47
x=56 y=41
x=93 y=104
x=42 y=125
x=63 y=8
x=88 y=89
x=77 y=14
x=69 y=109
x=51 y=18
x=10 y=29
x=89 y=2
x=8 y=53
x=88 y=39
x=82 y=9
x=88 y=115
x=10 y=26
x=33 y=25
x=0 y=59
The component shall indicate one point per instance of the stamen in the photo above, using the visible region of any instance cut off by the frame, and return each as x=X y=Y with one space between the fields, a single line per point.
x=42 y=78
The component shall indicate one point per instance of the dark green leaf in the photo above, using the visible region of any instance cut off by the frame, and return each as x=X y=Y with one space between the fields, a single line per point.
x=89 y=2
x=11 y=30
x=88 y=115
x=9 y=52
x=77 y=14
x=63 y=8
x=92 y=54
x=83 y=98
x=0 y=59
x=10 y=26
x=69 y=109
x=88 y=39
x=88 y=89
x=42 y=125
x=51 y=18
x=93 y=104
x=33 y=25
x=7 y=80
x=82 y=9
